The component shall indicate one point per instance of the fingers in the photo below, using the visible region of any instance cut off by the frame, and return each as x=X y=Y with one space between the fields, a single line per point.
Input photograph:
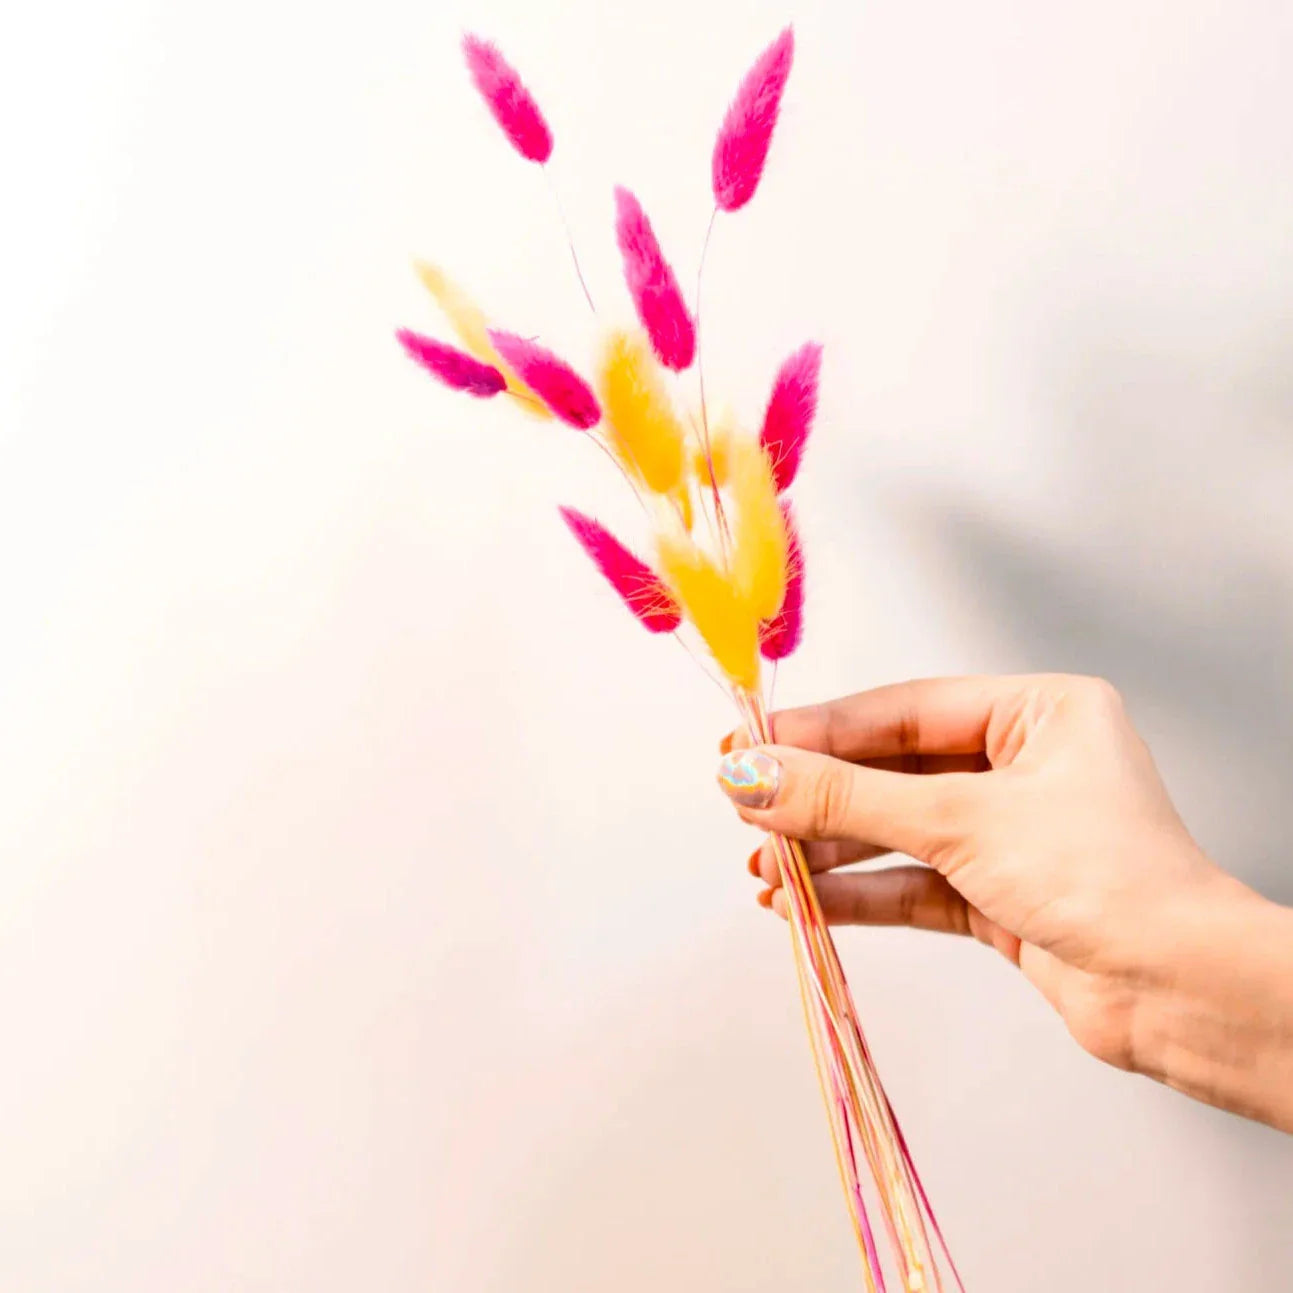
x=927 y=717
x=906 y=895
x=821 y=855
x=922 y=765
x=911 y=896
x=812 y=797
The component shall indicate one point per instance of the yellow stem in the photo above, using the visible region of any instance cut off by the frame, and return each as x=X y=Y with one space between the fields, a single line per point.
x=823 y=984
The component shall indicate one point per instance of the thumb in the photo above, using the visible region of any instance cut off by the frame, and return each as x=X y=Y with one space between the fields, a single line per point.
x=813 y=797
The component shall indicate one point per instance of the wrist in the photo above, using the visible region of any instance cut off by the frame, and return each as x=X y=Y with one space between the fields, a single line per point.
x=1214 y=1014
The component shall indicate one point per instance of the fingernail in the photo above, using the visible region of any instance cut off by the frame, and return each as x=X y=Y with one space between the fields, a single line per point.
x=725 y=745
x=752 y=866
x=765 y=898
x=750 y=778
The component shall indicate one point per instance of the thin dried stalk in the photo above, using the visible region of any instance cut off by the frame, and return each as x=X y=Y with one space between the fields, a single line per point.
x=740 y=587
x=858 y=1111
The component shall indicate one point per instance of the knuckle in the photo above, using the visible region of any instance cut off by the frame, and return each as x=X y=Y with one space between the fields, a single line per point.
x=831 y=728
x=857 y=907
x=1102 y=695
x=828 y=801
x=956 y=912
x=825 y=855
x=907 y=731
x=908 y=898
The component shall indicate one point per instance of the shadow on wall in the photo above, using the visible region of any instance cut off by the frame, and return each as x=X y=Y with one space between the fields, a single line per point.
x=1159 y=555
x=1157 y=551
x=682 y=1148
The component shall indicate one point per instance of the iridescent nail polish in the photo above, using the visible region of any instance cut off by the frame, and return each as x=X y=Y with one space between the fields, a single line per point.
x=750 y=778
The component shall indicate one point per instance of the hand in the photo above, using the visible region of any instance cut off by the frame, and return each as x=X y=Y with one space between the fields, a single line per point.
x=1046 y=833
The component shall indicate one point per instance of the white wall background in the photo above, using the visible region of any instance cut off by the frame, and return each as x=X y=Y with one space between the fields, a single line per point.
x=367 y=916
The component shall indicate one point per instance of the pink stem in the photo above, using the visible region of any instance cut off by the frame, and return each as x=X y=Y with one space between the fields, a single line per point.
x=570 y=238
x=868 y=1239
x=924 y=1198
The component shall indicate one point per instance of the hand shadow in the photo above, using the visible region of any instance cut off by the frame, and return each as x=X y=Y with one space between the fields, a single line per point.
x=1164 y=563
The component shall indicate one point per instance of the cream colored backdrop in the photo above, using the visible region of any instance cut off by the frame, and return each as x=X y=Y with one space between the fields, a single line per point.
x=367 y=916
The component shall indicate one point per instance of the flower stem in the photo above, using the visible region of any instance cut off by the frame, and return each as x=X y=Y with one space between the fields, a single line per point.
x=858 y=1110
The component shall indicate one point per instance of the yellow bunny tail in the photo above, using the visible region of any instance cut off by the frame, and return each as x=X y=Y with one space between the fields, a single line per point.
x=760 y=544
x=722 y=617
x=640 y=421
x=468 y=320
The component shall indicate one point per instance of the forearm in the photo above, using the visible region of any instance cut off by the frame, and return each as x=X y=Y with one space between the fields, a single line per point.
x=1216 y=1018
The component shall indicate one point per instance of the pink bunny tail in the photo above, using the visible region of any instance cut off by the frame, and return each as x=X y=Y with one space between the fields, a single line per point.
x=780 y=635
x=741 y=150
x=454 y=368
x=653 y=286
x=637 y=584
x=512 y=105
x=550 y=378
x=790 y=413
